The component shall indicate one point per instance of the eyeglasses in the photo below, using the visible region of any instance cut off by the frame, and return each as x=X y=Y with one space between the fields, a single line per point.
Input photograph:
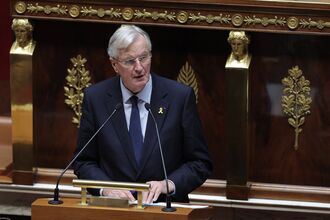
x=143 y=59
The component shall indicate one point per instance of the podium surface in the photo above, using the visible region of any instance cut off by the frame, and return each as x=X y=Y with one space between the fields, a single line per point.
x=72 y=209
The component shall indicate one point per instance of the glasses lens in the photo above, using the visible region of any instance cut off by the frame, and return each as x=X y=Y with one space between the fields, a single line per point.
x=130 y=62
x=143 y=59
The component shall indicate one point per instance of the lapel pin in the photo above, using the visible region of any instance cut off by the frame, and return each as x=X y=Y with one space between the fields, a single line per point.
x=161 y=110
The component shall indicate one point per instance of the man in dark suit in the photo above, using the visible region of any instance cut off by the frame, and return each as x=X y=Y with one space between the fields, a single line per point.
x=115 y=153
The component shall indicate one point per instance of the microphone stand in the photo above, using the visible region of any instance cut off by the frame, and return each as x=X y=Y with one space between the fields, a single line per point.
x=168 y=207
x=56 y=200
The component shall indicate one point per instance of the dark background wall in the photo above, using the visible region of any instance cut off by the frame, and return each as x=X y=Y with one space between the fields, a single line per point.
x=5 y=43
x=5 y=40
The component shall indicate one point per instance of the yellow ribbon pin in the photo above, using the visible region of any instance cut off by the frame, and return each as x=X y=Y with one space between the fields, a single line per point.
x=161 y=110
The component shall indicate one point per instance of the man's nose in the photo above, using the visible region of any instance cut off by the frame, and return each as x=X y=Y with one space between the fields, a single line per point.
x=137 y=63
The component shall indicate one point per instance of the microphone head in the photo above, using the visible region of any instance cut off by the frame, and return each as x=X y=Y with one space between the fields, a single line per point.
x=118 y=106
x=147 y=106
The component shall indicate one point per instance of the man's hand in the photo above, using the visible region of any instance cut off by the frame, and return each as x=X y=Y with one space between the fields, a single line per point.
x=156 y=188
x=121 y=194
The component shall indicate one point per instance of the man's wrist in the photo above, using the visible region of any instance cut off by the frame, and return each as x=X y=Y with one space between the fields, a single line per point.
x=171 y=187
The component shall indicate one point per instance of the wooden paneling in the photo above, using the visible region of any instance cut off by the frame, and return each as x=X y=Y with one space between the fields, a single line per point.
x=5 y=97
x=58 y=42
x=283 y=35
x=5 y=41
x=273 y=158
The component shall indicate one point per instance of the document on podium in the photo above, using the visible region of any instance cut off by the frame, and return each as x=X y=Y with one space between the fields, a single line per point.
x=176 y=205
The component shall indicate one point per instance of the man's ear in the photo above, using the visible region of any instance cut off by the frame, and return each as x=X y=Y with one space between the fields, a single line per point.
x=114 y=65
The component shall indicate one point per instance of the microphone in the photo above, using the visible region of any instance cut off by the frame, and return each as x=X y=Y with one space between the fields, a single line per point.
x=168 y=207
x=56 y=200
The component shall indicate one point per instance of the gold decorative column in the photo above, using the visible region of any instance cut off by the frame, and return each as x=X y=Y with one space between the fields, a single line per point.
x=21 y=74
x=237 y=115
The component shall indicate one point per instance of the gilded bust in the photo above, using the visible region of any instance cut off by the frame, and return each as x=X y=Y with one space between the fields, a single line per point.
x=239 y=57
x=24 y=43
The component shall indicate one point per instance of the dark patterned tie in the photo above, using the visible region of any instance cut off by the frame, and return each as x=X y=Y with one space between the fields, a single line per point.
x=135 y=129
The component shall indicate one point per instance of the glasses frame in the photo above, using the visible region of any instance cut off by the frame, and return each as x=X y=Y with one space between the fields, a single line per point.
x=131 y=62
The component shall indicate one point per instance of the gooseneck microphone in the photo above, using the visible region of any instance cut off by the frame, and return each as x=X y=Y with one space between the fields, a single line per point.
x=168 y=207
x=56 y=200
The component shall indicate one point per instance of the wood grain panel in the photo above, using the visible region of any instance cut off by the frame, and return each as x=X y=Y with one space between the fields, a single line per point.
x=202 y=43
x=273 y=158
x=172 y=48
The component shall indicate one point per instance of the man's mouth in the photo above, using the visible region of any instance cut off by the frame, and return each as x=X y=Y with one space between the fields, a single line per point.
x=138 y=77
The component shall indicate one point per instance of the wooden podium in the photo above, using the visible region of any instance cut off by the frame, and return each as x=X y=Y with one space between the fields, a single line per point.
x=71 y=209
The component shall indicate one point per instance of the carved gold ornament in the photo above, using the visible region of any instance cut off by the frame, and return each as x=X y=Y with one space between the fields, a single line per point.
x=194 y=17
x=187 y=76
x=237 y=20
x=77 y=80
x=101 y=12
x=264 y=21
x=47 y=9
x=144 y=14
x=20 y=7
x=127 y=14
x=112 y=13
x=293 y=22
x=209 y=18
x=182 y=17
x=74 y=11
x=310 y=23
x=296 y=100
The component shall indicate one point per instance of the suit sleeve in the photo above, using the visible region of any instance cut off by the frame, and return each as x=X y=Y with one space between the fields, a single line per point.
x=197 y=165
x=86 y=165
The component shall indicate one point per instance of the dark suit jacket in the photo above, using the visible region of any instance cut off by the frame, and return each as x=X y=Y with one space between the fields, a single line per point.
x=110 y=155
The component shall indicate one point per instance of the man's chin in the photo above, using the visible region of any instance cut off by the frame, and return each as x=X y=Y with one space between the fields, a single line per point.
x=138 y=87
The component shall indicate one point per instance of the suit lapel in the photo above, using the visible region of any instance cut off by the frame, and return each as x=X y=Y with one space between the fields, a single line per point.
x=114 y=97
x=159 y=106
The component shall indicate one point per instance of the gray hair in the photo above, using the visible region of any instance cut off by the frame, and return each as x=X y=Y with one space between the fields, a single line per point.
x=125 y=36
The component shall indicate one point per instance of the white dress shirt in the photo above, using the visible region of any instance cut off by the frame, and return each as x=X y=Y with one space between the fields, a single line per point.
x=143 y=97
